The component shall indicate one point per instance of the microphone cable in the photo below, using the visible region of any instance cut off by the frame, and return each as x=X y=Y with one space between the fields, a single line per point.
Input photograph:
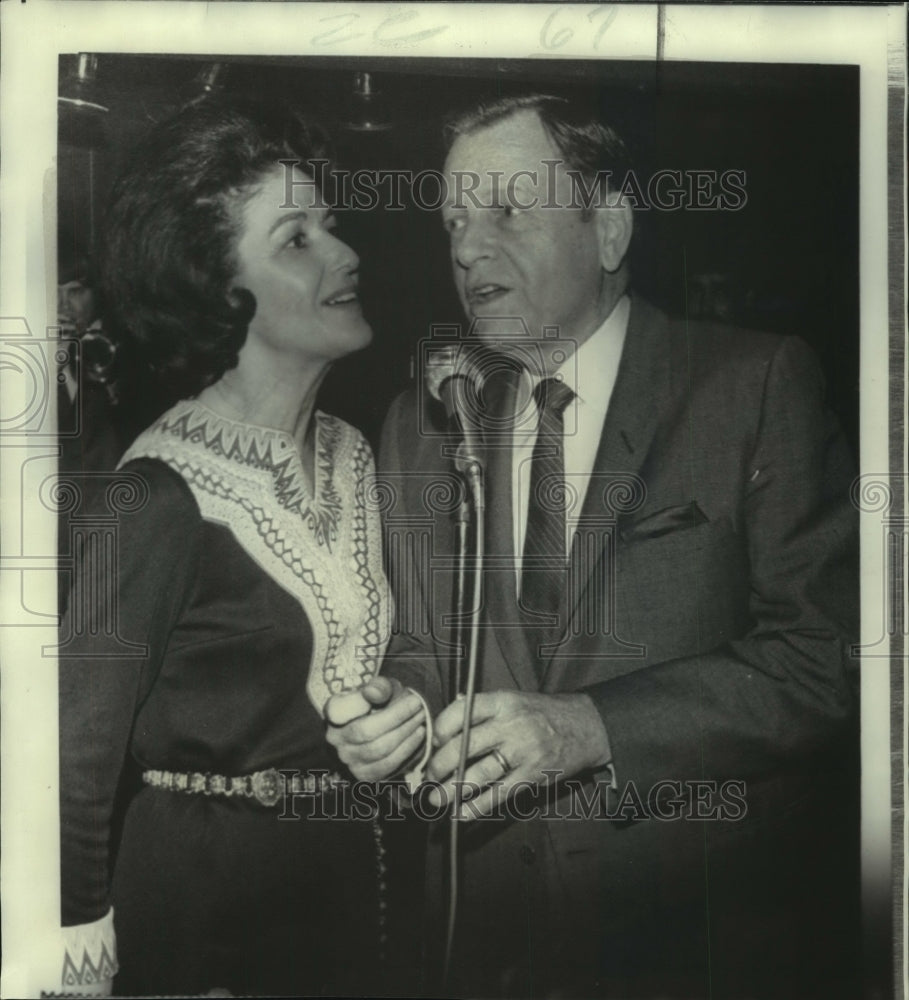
x=473 y=473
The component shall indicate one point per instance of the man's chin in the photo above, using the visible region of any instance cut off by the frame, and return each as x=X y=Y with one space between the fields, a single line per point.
x=541 y=357
x=508 y=349
x=505 y=329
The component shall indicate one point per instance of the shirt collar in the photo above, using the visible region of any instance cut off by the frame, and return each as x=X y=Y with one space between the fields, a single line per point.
x=598 y=356
x=590 y=371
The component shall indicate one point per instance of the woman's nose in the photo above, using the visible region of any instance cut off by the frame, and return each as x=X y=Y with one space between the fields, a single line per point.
x=344 y=255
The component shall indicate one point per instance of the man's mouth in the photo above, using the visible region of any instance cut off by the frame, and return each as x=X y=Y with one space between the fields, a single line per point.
x=346 y=297
x=481 y=295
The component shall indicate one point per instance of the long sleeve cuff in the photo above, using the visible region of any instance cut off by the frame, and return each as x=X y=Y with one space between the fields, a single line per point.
x=89 y=955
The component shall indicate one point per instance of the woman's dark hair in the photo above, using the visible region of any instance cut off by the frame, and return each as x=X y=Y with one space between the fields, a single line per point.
x=167 y=259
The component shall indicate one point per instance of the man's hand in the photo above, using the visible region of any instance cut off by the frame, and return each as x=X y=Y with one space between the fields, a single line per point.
x=532 y=732
x=376 y=729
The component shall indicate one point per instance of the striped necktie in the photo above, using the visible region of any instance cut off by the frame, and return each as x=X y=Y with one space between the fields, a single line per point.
x=544 y=567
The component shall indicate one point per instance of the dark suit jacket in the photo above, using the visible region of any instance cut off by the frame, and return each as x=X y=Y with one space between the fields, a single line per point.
x=709 y=617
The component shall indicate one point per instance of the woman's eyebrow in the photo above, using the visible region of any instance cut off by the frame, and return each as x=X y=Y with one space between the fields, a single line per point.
x=284 y=219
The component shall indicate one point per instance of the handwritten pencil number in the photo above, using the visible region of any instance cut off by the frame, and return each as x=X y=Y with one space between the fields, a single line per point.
x=334 y=36
x=340 y=29
x=609 y=12
x=403 y=17
x=553 y=37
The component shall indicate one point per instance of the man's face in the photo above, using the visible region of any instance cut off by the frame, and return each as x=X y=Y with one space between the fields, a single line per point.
x=540 y=264
x=75 y=305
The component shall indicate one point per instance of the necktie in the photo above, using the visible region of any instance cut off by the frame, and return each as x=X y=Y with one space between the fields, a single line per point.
x=544 y=569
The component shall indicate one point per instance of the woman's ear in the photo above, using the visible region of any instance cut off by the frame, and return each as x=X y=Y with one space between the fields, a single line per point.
x=242 y=303
x=614 y=222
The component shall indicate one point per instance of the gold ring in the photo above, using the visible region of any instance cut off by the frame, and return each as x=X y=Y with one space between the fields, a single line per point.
x=501 y=760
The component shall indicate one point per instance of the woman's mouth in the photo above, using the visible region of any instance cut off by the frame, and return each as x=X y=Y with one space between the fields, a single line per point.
x=348 y=296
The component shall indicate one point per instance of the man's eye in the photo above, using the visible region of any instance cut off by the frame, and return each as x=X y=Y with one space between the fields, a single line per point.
x=297 y=241
x=452 y=225
x=510 y=211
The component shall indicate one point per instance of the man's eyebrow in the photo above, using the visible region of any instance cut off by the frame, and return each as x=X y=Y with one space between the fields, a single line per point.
x=284 y=219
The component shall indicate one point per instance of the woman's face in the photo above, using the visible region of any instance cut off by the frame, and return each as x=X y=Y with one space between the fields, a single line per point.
x=303 y=277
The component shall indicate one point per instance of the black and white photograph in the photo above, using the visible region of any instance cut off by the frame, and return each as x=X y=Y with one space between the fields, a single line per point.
x=453 y=479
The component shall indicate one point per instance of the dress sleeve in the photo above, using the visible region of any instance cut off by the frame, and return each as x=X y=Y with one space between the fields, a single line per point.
x=123 y=604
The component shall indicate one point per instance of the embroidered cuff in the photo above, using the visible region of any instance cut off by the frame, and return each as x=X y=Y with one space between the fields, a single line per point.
x=89 y=954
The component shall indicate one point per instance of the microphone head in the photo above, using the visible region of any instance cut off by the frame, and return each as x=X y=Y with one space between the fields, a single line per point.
x=451 y=377
x=440 y=365
x=454 y=378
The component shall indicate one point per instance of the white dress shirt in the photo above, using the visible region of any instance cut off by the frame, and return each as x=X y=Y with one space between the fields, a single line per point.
x=591 y=372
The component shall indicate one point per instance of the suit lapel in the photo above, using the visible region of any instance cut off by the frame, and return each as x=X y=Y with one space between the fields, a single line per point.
x=641 y=386
x=641 y=391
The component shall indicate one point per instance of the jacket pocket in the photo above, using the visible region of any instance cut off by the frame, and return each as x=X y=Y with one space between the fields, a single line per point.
x=679 y=517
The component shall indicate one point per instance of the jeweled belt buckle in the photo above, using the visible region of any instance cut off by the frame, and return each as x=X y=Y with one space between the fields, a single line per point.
x=267 y=787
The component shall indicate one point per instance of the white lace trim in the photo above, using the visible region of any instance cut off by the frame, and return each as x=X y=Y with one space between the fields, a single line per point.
x=89 y=953
x=324 y=550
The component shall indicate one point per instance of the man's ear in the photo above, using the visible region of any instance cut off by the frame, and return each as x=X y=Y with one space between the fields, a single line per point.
x=614 y=222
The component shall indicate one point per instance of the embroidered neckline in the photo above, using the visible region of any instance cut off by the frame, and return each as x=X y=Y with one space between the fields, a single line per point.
x=239 y=481
x=267 y=448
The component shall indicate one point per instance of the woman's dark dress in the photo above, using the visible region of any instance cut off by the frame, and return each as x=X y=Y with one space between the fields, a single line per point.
x=247 y=604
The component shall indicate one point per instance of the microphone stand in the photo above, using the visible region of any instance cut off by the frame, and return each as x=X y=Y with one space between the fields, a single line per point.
x=474 y=503
x=462 y=527
x=471 y=469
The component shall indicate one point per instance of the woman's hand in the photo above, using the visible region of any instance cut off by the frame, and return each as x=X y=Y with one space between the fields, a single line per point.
x=376 y=729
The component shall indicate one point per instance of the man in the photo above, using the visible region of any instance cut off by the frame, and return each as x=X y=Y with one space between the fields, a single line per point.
x=86 y=406
x=684 y=656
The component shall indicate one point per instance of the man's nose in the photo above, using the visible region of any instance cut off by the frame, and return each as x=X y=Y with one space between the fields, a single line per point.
x=474 y=240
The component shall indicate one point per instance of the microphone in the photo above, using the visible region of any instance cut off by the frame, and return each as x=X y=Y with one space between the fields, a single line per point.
x=450 y=381
x=453 y=381
x=446 y=376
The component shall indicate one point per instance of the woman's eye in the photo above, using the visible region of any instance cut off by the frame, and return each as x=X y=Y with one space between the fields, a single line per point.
x=510 y=211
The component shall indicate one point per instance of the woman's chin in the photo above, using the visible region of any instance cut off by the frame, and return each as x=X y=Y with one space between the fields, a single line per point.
x=328 y=345
x=361 y=336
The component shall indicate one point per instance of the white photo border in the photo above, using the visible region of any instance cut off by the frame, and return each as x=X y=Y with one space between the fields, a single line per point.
x=36 y=33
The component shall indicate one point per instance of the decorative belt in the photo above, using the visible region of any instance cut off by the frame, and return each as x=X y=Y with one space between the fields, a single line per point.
x=266 y=787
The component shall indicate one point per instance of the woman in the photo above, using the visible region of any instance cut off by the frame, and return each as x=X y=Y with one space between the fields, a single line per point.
x=248 y=590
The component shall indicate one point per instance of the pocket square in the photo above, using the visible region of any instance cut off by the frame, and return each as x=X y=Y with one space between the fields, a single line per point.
x=678 y=518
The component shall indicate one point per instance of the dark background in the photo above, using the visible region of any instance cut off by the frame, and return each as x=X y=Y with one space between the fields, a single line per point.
x=787 y=262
